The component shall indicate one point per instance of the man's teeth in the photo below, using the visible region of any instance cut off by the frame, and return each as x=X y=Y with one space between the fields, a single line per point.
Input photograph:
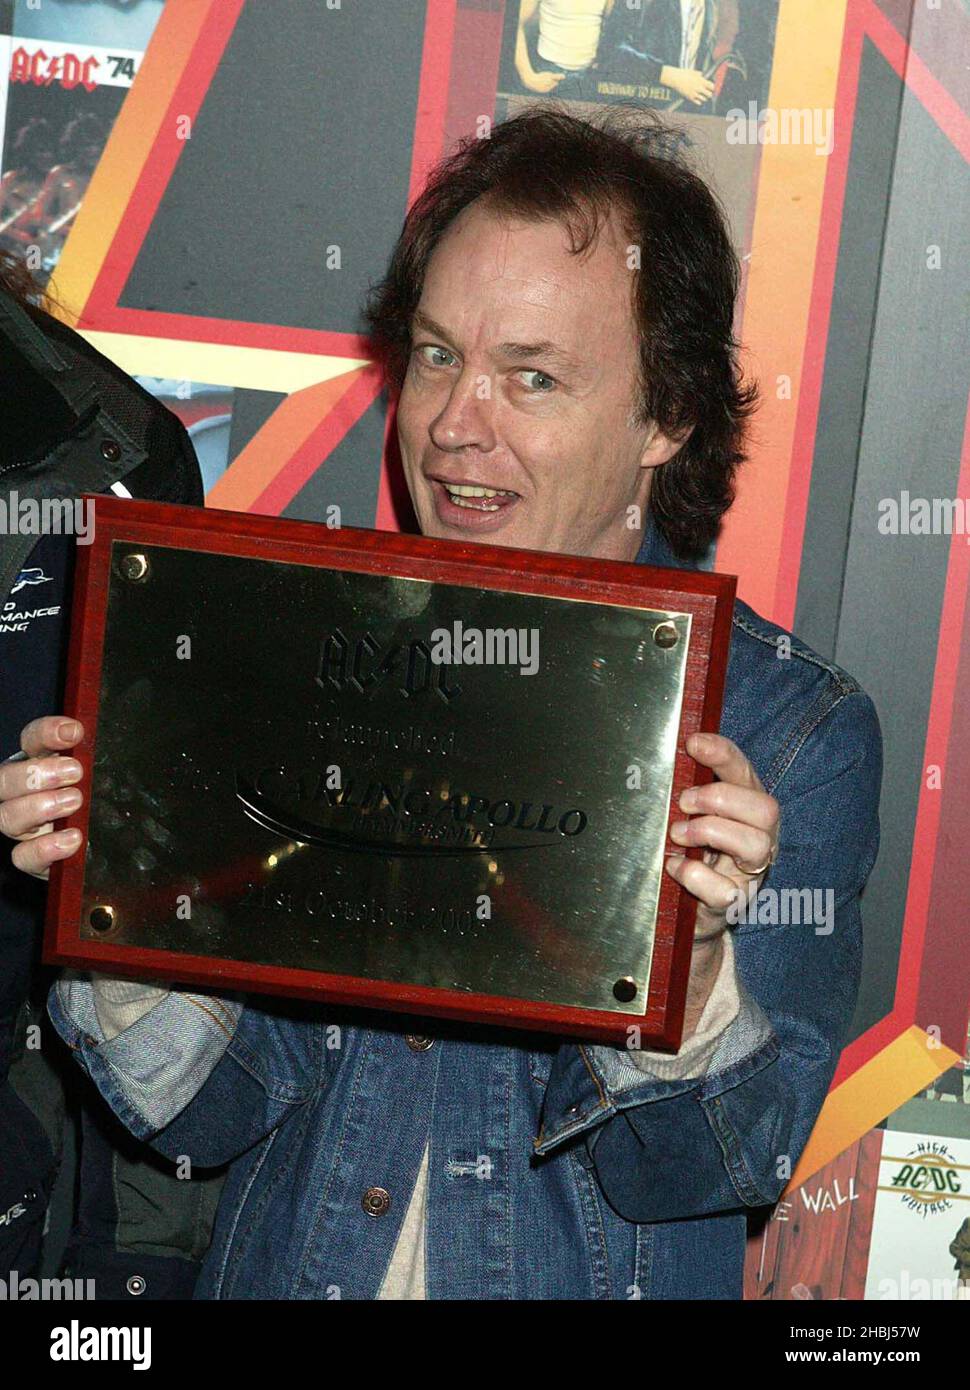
x=461 y=493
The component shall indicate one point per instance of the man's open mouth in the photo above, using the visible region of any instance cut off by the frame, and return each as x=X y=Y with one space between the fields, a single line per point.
x=472 y=506
x=479 y=499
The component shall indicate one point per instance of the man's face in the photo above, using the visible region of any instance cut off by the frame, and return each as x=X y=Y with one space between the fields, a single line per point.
x=522 y=381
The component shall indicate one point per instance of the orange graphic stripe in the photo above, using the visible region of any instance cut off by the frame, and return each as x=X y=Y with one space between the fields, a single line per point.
x=781 y=274
x=813 y=364
x=270 y=450
x=907 y=1066
x=129 y=145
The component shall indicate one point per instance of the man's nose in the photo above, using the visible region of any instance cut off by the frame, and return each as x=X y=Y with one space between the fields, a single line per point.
x=466 y=419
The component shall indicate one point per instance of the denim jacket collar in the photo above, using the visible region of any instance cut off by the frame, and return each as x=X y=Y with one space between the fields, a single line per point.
x=655 y=550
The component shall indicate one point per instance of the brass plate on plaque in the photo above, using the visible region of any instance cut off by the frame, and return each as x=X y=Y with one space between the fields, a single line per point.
x=284 y=774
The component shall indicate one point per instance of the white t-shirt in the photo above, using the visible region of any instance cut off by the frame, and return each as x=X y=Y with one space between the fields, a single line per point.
x=569 y=31
x=692 y=31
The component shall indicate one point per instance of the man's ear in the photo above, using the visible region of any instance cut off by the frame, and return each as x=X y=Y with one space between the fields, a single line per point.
x=659 y=447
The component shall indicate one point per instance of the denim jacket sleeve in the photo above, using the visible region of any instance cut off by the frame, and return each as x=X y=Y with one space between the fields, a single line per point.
x=197 y=1074
x=667 y=1150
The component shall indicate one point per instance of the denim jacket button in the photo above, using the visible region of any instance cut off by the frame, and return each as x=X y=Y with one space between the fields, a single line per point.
x=376 y=1201
x=418 y=1042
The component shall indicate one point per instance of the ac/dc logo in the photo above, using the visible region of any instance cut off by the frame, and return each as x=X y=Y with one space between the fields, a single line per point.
x=364 y=665
x=42 y=69
x=67 y=69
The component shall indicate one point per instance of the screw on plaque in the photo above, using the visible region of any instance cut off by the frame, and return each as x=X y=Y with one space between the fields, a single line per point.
x=625 y=989
x=134 y=566
x=102 y=917
x=666 y=635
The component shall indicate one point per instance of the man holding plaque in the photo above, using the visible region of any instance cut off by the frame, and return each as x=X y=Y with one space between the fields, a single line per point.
x=556 y=327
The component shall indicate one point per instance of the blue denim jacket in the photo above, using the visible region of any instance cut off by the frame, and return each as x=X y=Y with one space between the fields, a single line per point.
x=556 y=1170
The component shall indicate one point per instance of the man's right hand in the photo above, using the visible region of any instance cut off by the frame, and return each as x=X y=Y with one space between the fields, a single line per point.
x=39 y=790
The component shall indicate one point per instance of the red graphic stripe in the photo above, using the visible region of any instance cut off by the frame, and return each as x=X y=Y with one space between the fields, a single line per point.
x=920 y=986
x=820 y=310
x=429 y=123
x=941 y=105
x=194 y=328
x=429 y=127
x=160 y=165
x=319 y=445
x=927 y=834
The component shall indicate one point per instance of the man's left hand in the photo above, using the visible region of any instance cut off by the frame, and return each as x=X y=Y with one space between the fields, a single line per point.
x=736 y=822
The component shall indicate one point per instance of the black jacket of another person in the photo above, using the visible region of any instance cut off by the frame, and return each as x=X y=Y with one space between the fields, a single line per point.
x=640 y=41
x=70 y=422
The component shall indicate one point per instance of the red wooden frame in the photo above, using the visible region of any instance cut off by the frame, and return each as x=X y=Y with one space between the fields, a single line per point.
x=709 y=598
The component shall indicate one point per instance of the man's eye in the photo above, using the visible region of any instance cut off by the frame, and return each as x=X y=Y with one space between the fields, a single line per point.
x=432 y=355
x=538 y=382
